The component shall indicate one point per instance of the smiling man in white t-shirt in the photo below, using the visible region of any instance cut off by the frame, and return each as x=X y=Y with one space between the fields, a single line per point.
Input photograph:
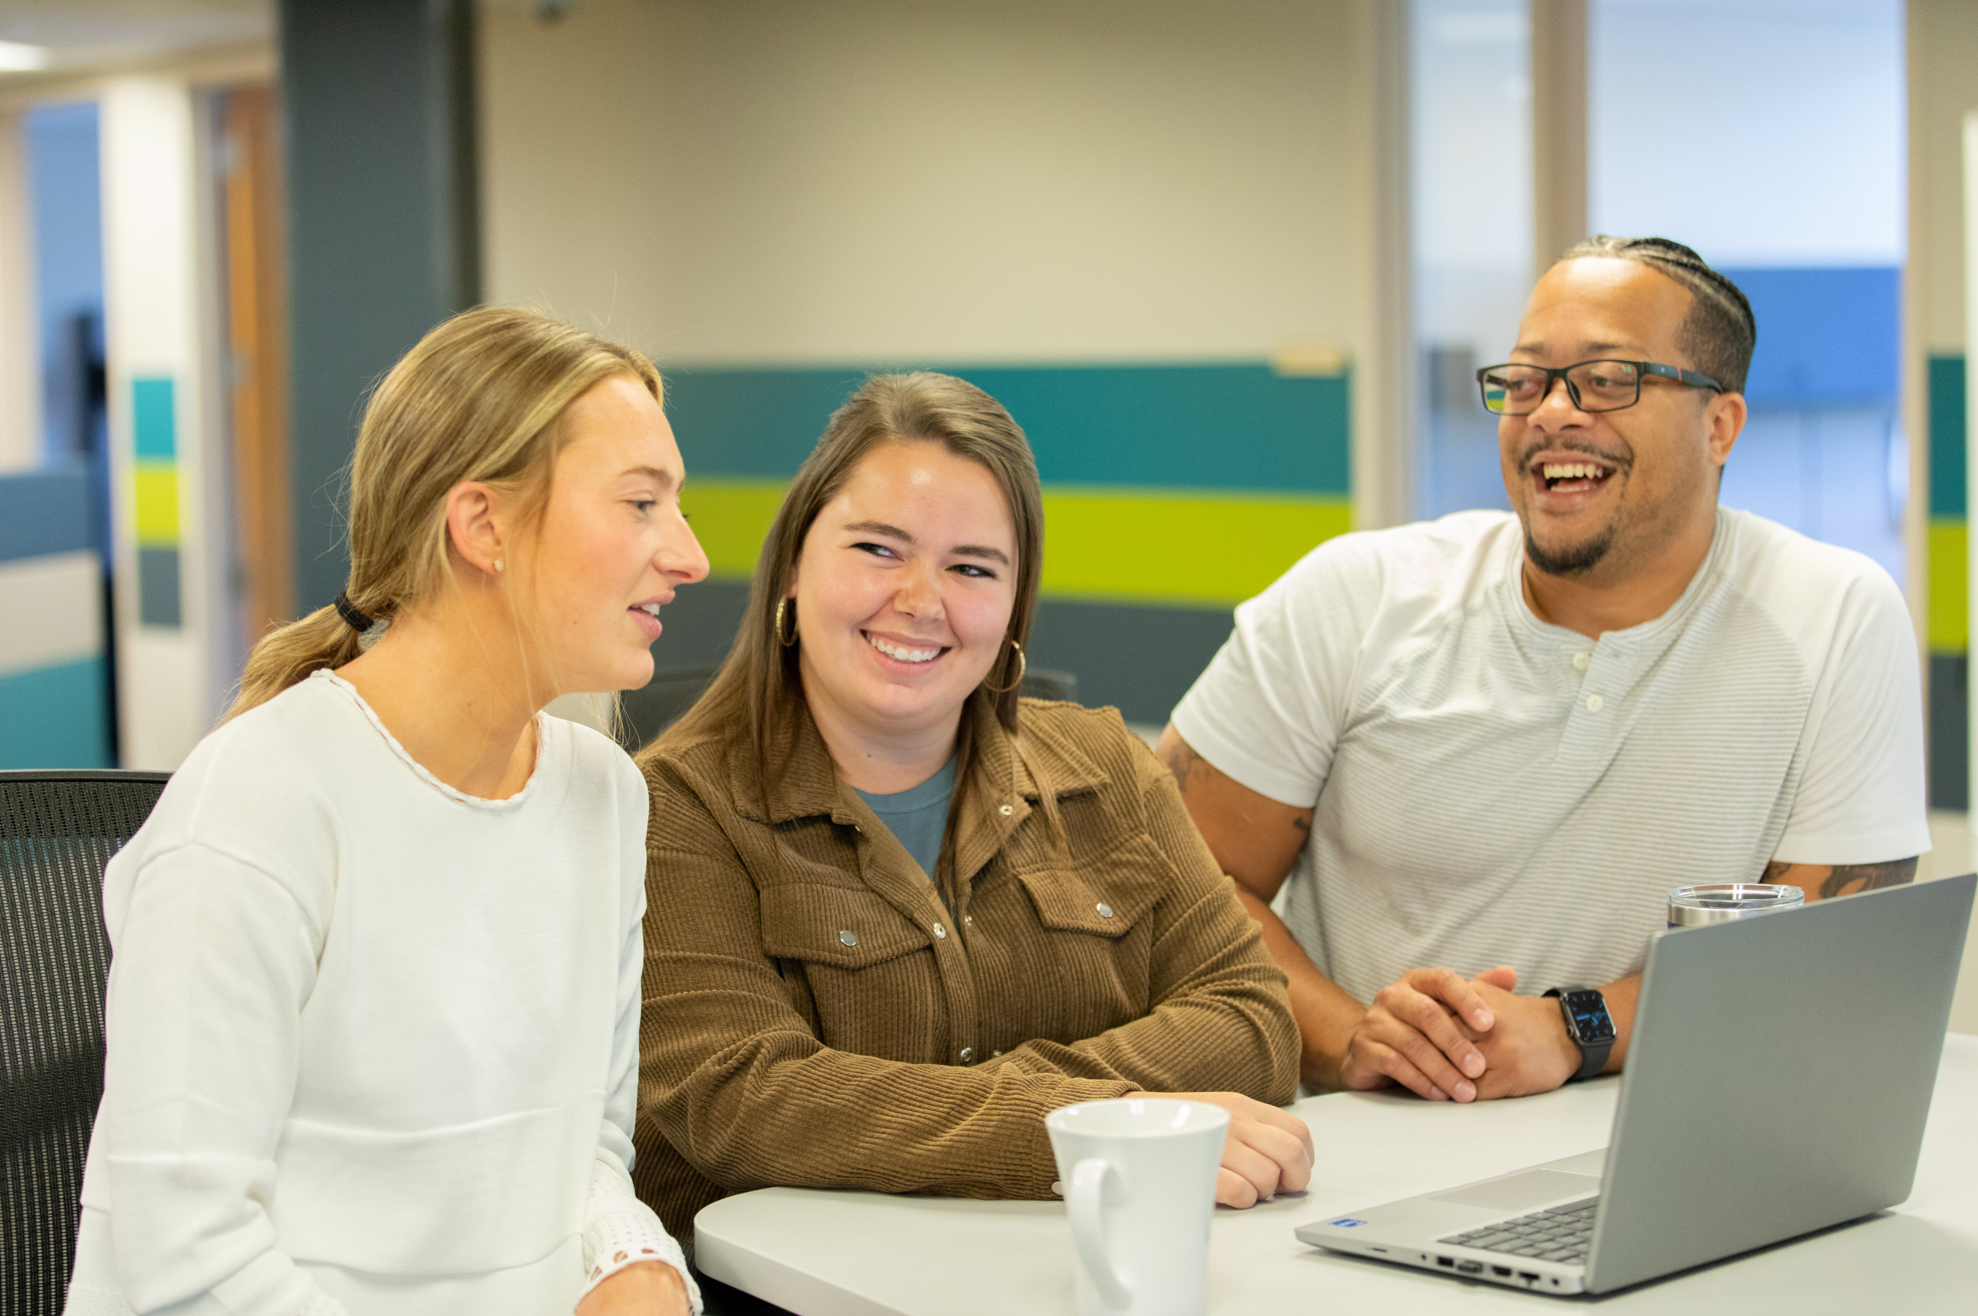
x=1484 y=748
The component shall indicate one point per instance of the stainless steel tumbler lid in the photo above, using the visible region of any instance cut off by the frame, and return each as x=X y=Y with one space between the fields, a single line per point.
x=1722 y=902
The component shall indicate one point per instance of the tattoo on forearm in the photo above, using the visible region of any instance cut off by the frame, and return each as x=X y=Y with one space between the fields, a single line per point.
x=1184 y=762
x=1846 y=879
x=1181 y=760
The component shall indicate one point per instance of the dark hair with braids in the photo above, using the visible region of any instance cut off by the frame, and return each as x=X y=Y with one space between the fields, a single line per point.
x=1719 y=331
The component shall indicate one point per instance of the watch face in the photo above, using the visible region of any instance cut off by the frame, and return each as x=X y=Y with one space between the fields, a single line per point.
x=1591 y=1022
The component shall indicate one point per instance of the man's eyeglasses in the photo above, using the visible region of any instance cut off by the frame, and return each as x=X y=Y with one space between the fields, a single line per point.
x=1519 y=390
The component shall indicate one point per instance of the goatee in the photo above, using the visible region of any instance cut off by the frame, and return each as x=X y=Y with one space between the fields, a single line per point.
x=1577 y=560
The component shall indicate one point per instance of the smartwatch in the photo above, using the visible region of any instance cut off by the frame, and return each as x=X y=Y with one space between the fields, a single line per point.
x=1589 y=1025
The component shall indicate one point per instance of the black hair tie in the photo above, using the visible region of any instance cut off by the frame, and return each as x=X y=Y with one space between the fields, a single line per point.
x=357 y=620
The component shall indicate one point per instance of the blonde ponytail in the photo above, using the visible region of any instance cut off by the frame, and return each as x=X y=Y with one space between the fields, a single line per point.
x=478 y=398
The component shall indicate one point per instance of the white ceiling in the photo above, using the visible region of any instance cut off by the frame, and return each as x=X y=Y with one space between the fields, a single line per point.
x=78 y=34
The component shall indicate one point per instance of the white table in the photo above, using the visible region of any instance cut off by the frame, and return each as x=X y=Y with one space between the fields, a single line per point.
x=824 y=1253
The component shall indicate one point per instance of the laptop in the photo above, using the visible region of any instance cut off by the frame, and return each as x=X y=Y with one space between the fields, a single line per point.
x=1777 y=1083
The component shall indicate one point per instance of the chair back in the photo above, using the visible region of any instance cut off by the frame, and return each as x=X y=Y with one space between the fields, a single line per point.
x=57 y=831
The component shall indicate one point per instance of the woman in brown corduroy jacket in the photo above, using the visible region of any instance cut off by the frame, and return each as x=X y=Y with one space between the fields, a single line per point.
x=821 y=1008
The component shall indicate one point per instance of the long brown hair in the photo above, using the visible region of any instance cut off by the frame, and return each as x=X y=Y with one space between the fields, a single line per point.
x=477 y=398
x=759 y=686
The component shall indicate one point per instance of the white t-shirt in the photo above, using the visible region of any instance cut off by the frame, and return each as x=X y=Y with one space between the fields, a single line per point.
x=1489 y=788
x=373 y=1044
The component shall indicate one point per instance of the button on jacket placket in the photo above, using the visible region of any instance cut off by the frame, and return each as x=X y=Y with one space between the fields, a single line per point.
x=891 y=873
x=980 y=834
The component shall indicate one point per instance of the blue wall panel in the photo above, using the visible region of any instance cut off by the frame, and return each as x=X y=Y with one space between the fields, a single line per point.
x=1825 y=336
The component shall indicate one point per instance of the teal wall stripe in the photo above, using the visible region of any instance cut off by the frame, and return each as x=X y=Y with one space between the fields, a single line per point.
x=153 y=424
x=53 y=717
x=1946 y=389
x=1152 y=427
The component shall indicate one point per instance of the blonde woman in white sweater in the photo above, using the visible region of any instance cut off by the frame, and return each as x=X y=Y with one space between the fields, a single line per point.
x=373 y=1008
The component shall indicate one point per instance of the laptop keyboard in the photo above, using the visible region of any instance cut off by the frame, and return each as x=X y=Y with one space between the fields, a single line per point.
x=1560 y=1234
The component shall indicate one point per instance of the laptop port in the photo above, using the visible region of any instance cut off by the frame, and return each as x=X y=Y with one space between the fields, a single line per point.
x=1504 y=1271
x=1445 y=1261
x=1470 y=1267
x=1529 y=1276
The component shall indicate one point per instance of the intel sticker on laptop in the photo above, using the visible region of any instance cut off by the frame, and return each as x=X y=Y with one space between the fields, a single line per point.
x=1348 y=1222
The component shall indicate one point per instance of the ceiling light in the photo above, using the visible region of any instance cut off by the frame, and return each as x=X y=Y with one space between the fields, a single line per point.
x=14 y=55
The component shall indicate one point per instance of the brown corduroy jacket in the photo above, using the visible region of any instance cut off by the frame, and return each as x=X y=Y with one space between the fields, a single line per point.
x=816 y=1016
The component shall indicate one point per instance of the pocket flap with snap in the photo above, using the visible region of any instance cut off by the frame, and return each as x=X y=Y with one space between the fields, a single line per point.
x=840 y=926
x=1105 y=896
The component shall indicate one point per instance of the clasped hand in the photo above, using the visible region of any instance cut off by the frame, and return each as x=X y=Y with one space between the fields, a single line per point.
x=1445 y=1037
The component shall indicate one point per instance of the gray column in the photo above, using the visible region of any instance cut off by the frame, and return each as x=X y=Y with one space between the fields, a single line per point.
x=1559 y=128
x=378 y=106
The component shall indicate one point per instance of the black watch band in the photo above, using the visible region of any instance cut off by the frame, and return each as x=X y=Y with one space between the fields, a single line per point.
x=1589 y=1025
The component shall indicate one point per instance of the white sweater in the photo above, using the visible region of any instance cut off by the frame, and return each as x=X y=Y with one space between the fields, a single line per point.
x=373 y=1044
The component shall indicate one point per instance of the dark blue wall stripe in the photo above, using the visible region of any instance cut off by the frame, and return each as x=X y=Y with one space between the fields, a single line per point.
x=1177 y=427
x=43 y=512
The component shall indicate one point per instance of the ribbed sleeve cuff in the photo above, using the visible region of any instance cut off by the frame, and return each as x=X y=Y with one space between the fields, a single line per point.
x=621 y=1231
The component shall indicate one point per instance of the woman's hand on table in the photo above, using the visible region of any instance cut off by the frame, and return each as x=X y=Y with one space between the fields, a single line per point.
x=651 y=1288
x=1268 y=1151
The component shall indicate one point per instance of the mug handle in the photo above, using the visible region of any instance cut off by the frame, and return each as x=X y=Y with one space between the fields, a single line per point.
x=1092 y=1182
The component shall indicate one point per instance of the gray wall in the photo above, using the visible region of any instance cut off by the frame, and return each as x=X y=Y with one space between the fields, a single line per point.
x=378 y=102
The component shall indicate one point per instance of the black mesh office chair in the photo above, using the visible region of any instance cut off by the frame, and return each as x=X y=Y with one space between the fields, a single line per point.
x=57 y=831
x=659 y=705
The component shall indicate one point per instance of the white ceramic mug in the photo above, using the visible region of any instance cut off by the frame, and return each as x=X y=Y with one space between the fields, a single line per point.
x=1139 y=1181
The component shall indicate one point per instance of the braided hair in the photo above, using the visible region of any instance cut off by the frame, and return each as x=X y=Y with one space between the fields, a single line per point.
x=1719 y=331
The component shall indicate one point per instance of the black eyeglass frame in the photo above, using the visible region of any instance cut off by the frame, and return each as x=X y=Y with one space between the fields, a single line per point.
x=1688 y=378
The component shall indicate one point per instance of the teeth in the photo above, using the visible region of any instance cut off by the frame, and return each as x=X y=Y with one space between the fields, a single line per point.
x=650 y=609
x=1571 y=471
x=903 y=655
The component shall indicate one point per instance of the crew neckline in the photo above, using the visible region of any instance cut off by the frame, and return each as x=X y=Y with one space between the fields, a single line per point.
x=419 y=769
x=1685 y=602
x=937 y=788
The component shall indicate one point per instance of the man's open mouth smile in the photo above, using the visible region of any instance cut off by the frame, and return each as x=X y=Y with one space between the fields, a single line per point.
x=1573 y=476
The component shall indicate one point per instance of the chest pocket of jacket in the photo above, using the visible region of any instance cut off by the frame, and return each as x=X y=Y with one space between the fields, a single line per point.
x=1106 y=896
x=840 y=926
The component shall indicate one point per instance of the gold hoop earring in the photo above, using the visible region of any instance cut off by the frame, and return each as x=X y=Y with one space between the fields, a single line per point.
x=783 y=604
x=1022 y=666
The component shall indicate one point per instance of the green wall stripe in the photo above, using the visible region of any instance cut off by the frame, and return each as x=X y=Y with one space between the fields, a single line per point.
x=1205 y=426
x=1168 y=548
x=1158 y=547
x=1946 y=404
x=1947 y=623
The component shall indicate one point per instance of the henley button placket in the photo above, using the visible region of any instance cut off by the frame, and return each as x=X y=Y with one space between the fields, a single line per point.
x=1594 y=703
